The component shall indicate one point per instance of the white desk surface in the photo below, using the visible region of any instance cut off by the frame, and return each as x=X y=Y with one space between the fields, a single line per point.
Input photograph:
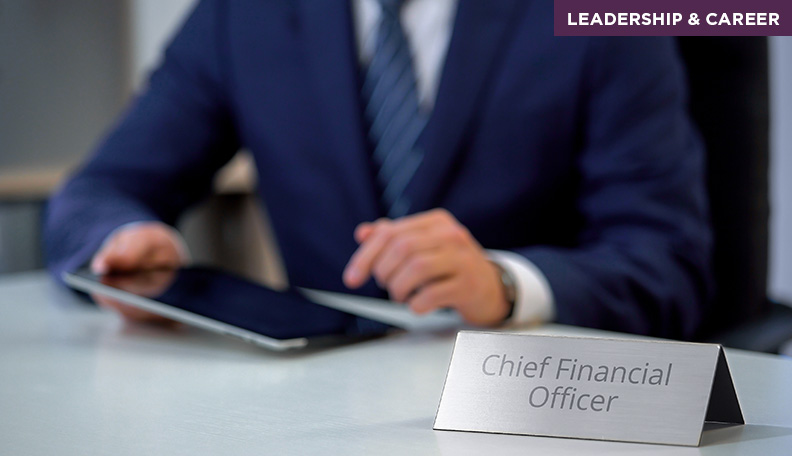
x=75 y=380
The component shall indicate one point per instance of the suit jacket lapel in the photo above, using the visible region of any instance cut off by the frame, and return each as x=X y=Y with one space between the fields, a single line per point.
x=479 y=31
x=329 y=46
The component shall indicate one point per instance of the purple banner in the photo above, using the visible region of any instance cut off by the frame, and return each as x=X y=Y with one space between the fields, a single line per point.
x=673 y=17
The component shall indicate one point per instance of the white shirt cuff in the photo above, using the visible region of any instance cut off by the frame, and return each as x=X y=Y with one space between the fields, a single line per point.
x=534 y=303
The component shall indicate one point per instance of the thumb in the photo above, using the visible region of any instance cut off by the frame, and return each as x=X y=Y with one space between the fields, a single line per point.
x=123 y=253
x=363 y=231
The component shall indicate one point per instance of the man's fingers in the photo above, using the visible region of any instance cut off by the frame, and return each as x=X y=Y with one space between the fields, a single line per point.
x=165 y=257
x=433 y=296
x=358 y=270
x=431 y=261
x=375 y=237
x=113 y=255
x=145 y=283
x=411 y=222
x=421 y=221
x=398 y=252
x=126 y=256
x=417 y=272
x=130 y=313
x=363 y=231
x=99 y=264
x=138 y=248
x=151 y=283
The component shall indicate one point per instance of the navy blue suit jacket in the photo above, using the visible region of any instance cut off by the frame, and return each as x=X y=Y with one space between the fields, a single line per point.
x=574 y=152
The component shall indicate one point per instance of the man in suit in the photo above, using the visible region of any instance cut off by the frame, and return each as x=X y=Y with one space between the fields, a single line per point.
x=455 y=151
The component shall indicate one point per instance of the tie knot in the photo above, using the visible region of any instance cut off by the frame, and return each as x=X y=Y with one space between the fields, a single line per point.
x=391 y=7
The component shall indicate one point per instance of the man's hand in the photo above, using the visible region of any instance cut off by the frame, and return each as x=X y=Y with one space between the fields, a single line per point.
x=149 y=283
x=142 y=247
x=429 y=260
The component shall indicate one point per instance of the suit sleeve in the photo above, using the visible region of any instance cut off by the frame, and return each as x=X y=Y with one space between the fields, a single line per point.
x=159 y=158
x=641 y=263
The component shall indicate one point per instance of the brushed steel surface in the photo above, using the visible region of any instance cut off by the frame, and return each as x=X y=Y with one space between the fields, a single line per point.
x=485 y=394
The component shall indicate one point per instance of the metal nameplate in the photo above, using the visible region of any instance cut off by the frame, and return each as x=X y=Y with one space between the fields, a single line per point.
x=588 y=388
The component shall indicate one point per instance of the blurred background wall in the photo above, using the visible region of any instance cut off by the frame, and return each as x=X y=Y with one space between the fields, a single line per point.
x=64 y=75
x=152 y=24
x=781 y=168
x=67 y=67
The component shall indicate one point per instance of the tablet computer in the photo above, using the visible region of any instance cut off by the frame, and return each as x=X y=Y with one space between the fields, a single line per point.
x=227 y=304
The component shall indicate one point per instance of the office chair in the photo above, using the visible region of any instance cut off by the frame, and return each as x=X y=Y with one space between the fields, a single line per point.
x=729 y=101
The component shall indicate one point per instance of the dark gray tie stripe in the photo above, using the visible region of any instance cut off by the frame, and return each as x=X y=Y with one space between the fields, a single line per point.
x=394 y=117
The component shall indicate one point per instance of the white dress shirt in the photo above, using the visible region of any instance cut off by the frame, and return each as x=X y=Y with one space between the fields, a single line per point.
x=428 y=25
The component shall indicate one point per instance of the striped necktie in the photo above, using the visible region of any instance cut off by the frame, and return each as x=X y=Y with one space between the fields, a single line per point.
x=394 y=118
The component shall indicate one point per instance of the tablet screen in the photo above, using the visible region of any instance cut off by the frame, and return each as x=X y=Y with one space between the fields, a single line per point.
x=237 y=302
